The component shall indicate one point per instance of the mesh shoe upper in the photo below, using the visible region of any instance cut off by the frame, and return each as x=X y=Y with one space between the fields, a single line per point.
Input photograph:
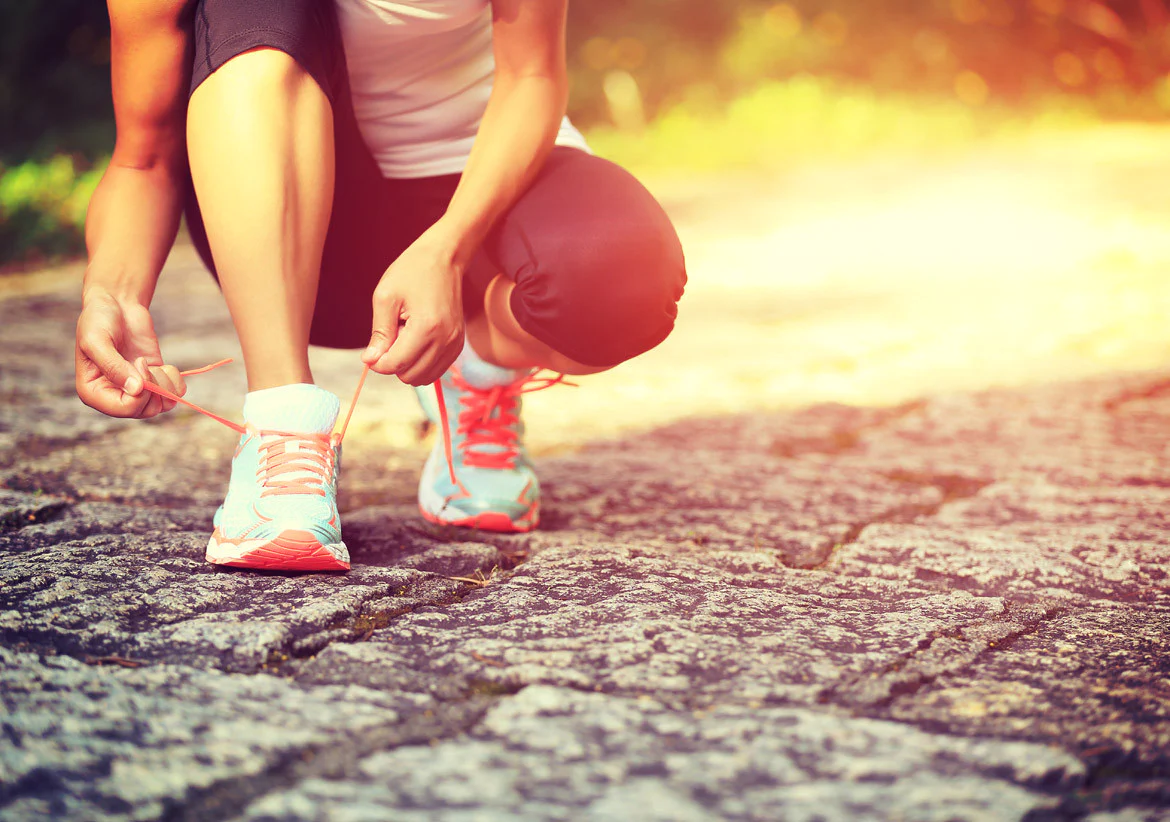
x=492 y=472
x=281 y=482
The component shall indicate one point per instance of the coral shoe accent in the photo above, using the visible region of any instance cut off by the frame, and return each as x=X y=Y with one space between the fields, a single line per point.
x=281 y=512
x=297 y=466
x=489 y=483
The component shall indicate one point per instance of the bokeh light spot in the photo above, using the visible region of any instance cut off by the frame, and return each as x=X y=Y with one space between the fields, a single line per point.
x=932 y=47
x=969 y=11
x=628 y=53
x=831 y=27
x=1108 y=65
x=1099 y=18
x=595 y=53
x=1069 y=69
x=971 y=89
x=1052 y=8
x=783 y=21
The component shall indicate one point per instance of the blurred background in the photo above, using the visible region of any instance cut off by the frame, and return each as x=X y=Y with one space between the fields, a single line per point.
x=878 y=198
x=667 y=84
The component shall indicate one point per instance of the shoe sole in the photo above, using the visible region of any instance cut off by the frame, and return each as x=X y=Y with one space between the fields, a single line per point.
x=488 y=521
x=288 y=551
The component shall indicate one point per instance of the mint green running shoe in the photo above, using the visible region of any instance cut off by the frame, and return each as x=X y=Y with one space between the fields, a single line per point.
x=280 y=513
x=490 y=483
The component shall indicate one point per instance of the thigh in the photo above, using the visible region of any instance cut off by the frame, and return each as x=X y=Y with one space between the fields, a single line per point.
x=367 y=227
x=597 y=264
x=223 y=29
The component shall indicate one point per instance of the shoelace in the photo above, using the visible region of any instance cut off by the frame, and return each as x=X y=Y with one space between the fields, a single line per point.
x=292 y=463
x=295 y=463
x=328 y=441
x=484 y=430
x=479 y=428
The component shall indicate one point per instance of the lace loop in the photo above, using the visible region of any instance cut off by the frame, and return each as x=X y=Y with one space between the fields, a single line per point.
x=295 y=463
x=488 y=419
x=312 y=461
x=240 y=429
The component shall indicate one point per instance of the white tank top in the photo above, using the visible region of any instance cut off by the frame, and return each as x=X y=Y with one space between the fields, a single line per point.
x=421 y=73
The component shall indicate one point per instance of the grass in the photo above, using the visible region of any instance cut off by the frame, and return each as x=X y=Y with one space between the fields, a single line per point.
x=784 y=123
x=776 y=126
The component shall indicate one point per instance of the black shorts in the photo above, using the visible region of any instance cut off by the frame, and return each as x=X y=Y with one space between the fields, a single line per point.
x=597 y=264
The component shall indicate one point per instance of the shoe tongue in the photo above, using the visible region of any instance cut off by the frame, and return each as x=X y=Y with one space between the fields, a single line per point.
x=480 y=374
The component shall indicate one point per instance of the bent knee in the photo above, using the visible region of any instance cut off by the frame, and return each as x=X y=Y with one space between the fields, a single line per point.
x=606 y=299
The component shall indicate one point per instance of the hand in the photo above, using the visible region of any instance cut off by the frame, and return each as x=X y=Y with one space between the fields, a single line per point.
x=418 y=313
x=117 y=352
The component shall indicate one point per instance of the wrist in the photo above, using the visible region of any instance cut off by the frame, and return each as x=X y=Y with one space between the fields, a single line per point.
x=119 y=287
x=456 y=243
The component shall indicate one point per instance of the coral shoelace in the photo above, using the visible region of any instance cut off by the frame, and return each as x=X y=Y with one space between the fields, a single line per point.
x=305 y=469
x=311 y=466
x=295 y=464
x=479 y=428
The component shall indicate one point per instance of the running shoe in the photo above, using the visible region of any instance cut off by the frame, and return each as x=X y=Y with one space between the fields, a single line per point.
x=488 y=482
x=281 y=507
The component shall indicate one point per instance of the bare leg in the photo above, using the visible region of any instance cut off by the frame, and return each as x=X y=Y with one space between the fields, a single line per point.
x=498 y=338
x=260 y=140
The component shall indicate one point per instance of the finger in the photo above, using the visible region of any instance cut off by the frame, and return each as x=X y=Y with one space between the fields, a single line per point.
x=412 y=343
x=386 y=327
x=437 y=361
x=168 y=378
x=444 y=361
x=154 y=403
x=420 y=373
x=96 y=391
x=178 y=383
x=98 y=347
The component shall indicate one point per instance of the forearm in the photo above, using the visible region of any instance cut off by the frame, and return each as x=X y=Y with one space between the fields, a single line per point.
x=519 y=129
x=131 y=225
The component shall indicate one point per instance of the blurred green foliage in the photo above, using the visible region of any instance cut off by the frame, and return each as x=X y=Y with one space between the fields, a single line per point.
x=664 y=83
x=42 y=209
x=1115 y=53
x=783 y=123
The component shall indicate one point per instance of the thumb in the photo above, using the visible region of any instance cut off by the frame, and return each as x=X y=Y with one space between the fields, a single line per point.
x=380 y=343
x=100 y=350
x=387 y=313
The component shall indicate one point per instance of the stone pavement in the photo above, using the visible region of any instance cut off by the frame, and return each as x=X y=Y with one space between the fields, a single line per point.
x=951 y=608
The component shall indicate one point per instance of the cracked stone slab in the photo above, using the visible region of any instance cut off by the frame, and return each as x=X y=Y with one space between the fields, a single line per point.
x=1030 y=562
x=1095 y=681
x=707 y=502
x=151 y=596
x=1068 y=435
x=19 y=510
x=623 y=620
x=558 y=754
x=85 y=742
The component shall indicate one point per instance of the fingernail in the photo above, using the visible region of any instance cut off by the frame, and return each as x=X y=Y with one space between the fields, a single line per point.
x=133 y=385
x=370 y=353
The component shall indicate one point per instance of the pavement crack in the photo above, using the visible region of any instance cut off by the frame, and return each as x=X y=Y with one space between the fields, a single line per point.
x=944 y=652
x=842 y=440
x=227 y=798
x=1150 y=392
x=19 y=518
x=951 y=487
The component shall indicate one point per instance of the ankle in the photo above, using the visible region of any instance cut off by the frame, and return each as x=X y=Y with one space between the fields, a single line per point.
x=300 y=408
